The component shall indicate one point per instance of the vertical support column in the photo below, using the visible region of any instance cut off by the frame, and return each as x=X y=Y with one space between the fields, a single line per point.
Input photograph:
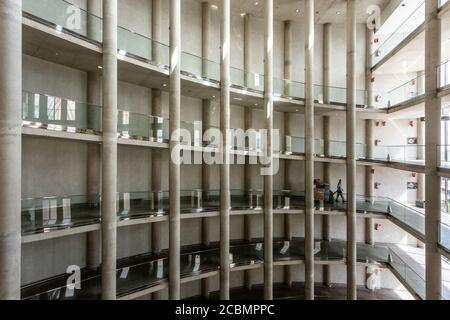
x=309 y=150
x=225 y=200
x=174 y=163
x=93 y=241
x=287 y=132
x=420 y=156
x=288 y=234
x=10 y=147
x=268 y=178
x=207 y=122
x=326 y=219
x=157 y=228
x=109 y=151
x=247 y=48
x=351 y=161
x=94 y=8
x=433 y=136
x=248 y=121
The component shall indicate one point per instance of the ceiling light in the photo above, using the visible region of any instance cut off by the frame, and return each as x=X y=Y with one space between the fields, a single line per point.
x=256 y=3
x=297 y=10
x=243 y=14
x=164 y=84
x=338 y=12
x=213 y=6
x=100 y=67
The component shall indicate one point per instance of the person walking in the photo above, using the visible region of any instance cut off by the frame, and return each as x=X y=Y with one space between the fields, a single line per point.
x=340 y=191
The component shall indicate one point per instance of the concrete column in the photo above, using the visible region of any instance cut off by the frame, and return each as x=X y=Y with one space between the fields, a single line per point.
x=420 y=156
x=288 y=270
x=351 y=159
x=157 y=30
x=309 y=149
x=248 y=122
x=174 y=163
x=94 y=8
x=93 y=251
x=247 y=47
x=326 y=219
x=225 y=200
x=327 y=44
x=432 y=141
x=109 y=150
x=207 y=122
x=369 y=84
x=10 y=147
x=268 y=178
x=287 y=56
x=157 y=165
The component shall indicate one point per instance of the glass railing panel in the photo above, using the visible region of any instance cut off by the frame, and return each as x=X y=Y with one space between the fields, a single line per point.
x=444 y=235
x=442 y=2
x=289 y=88
x=193 y=132
x=407 y=153
x=42 y=214
x=245 y=79
x=294 y=145
x=135 y=204
x=159 y=130
x=131 y=125
x=407 y=91
x=59 y=114
x=402 y=32
x=319 y=147
x=361 y=151
x=444 y=74
x=66 y=15
x=409 y=216
x=330 y=95
x=337 y=149
x=414 y=280
x=135 y=44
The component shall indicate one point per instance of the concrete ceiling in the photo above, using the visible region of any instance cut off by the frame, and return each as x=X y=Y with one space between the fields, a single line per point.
x=327 y=11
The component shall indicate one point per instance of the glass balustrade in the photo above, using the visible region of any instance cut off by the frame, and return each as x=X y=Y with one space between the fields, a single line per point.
x=444 y=235
x=403 y=31
x=444 y=156
x=198 y=67
x=442 y=2
x=407 y=91
x=444 y=74
x=145 y=271
x=59 y=114
x=245 y=79
x=138 y=126
x=52 y=213
x=66 y=16
x=408 y=215
x=413 y=279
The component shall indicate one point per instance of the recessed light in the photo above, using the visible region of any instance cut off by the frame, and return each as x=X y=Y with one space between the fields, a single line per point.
x=243 y=14
x=213 y=6
x=100 y=67
x=164 y=84
x=338 y=12
x=256 y=3
x=297 y=10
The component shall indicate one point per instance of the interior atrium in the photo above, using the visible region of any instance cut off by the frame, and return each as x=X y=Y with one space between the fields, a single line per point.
x=219 y=149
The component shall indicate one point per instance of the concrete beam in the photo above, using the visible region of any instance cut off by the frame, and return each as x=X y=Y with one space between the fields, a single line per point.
x=109 y=151
x=10 y=147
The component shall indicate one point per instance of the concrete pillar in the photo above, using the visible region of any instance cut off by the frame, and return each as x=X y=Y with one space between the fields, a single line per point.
x=94 y=8
x=288 y=270
x=10 y=147
x=433 y=278
x=309 y=149
x=326 y=219
x=109 y=150
x=248 y=122
x=174 y=163
x=93 y=241
x=207 y=122
x=369 y=181
x=327 y=44
x=268 y=178
x=247 y=48
x=420 y=156
x=157 y=30
x=157 y=165
x=287 y=56
x=225 y=200
x=351 y=159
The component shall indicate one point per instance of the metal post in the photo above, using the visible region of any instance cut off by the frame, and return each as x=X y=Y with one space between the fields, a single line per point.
x=10 y=147
x=109 y=151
